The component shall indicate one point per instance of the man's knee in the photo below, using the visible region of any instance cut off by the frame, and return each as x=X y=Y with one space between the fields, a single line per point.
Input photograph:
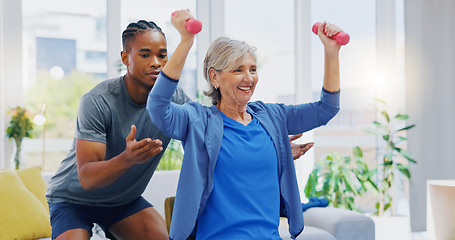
x=146 y=224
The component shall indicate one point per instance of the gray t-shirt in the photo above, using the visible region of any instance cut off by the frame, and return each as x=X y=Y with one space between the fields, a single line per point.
x=105 y=115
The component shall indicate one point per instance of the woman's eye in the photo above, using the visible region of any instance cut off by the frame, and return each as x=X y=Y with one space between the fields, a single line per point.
x=144 y=55
x=163 y=56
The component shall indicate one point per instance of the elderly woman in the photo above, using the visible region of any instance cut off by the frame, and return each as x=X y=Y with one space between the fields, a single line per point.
x=238 y=175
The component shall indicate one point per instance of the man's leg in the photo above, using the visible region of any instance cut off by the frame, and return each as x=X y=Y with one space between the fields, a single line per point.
x=74 y=234
x=70 y=221
x=145 y=224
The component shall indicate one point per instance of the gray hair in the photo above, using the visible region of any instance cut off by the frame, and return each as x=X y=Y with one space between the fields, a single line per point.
x=224 y=54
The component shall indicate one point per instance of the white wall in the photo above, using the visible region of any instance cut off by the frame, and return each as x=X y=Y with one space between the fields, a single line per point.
x=11 y=90
x=114 y=42
x=430 y=90
x=2 y=87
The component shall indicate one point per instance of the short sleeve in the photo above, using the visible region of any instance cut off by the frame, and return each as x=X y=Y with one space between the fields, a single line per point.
x=92 y=119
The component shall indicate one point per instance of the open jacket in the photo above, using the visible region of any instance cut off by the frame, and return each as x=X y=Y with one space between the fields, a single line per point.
x=200 y=129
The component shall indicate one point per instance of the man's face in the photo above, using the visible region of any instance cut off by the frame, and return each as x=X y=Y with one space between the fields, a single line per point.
x=146 y=57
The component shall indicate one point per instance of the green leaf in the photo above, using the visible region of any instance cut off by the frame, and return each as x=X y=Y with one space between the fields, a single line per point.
x=380 y=100
x=373 y=184
x=386 y=206
x=401 y=116
x=310 y=187
x=350 y=185
x=406 y=128
x=387 y=162
x=391 y=144
x=407 y=155
x=404 y=170
x=386 y=137
x=403 y=138
x=357 y=151
x=372 y=131
x=378 y=206
x=386 y=115
x=379 y=125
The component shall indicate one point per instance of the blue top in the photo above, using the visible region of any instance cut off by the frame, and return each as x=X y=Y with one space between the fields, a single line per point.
x=105 y=115
x=200 y=129
x=245 y=200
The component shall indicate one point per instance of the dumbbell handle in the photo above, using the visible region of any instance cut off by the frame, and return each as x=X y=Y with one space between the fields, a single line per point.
x=192 y=25
x=342 y=38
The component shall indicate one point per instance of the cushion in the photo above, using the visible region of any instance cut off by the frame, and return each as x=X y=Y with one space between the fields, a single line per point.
x=32 y=179
x=308 y=233
x=22 y=216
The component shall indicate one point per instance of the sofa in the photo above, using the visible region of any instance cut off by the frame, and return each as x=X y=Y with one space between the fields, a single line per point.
x=25 y=213
x=23 y=206
x=330 y=223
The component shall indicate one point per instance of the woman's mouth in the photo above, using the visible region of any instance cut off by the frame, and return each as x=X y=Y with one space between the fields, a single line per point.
x=245 y=88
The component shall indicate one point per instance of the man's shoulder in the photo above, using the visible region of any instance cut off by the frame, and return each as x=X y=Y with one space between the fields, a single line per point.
x=106 y=87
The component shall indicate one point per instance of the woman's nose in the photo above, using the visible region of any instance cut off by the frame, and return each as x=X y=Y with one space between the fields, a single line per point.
x=249 y=76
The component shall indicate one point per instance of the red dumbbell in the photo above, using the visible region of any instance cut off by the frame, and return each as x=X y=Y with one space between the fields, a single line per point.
x=192 y=25
x=342 y=38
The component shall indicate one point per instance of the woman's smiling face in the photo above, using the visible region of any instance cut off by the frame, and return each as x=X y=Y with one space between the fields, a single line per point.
x=237 y=85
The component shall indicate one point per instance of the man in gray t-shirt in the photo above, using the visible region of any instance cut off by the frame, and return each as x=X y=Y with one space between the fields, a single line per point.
x=116 y=150
x=105 y=117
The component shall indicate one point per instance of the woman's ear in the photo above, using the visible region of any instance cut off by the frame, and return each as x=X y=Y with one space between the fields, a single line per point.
x=124 y=56
x=213 y=78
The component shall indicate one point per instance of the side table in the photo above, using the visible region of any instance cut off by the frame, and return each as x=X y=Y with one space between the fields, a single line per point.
x=441 y=209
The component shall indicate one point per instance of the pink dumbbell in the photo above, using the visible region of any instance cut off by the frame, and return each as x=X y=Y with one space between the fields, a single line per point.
x=192 y=25
x=342 y=38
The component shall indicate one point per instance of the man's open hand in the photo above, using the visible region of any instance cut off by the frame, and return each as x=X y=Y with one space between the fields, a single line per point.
x=299 y=149
x=140 y=152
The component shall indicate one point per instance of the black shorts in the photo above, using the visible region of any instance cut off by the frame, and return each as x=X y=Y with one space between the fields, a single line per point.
x=67 y=216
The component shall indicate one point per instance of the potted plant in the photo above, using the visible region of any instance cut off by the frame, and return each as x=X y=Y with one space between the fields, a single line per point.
x=394 y=159
x=340 y=179
x=20 y=126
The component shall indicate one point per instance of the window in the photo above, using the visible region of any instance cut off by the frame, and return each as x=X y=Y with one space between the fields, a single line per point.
x=362 y=74
x=372 y=67
x=357 y=68
x=272 y=32
x=64 y=45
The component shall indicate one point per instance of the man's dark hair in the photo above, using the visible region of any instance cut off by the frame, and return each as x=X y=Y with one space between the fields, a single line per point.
x=133 y=29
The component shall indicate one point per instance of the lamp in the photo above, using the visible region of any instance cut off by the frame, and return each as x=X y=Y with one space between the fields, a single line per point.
x=40 y=119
